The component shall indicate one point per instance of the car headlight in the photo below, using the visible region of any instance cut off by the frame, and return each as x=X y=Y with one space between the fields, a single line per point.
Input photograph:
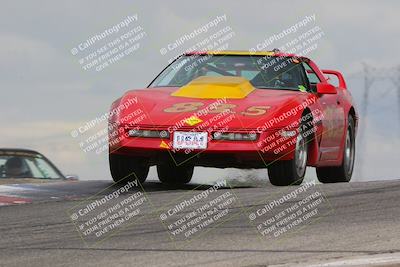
x=235 y=136
x=148 y=133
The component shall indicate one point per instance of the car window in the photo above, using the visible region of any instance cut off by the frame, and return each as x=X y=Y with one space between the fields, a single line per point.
x=26 y=166
x=332 y=79
x=311 y=75
x=262 y=72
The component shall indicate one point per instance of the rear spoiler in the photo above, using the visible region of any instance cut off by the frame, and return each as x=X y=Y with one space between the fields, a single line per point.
x=339 y=76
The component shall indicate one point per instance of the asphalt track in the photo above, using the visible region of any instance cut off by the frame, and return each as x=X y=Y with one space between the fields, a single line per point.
x=357 y=225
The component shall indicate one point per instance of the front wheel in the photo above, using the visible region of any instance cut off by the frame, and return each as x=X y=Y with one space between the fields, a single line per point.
x=291 y=172
x=125 y=168
x=343 y=172
x=169 y=173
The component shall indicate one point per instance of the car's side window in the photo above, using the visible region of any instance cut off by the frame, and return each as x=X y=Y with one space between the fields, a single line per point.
x=312 y=76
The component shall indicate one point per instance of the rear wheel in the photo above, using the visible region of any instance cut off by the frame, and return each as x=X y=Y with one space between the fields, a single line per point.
x=343 y=172
x=291 y=172
x=169 y=173
x=125 y=168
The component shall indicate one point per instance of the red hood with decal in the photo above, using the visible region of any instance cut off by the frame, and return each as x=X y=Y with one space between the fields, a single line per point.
x=158 y=107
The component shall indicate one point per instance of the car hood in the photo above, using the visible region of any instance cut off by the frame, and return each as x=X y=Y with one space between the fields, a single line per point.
x=166 y=106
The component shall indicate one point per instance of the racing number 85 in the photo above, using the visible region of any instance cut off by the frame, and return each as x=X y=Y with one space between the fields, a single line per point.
x=184 y=107
x=192 y=106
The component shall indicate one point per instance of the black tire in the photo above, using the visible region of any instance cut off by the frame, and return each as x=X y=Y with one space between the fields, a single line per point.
x=169 y=173
x=125 y=168
x=343 y=172
x=292 y=172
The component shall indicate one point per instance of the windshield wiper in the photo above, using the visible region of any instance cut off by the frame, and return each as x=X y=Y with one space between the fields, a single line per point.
x=174 y=85
x=276 y=88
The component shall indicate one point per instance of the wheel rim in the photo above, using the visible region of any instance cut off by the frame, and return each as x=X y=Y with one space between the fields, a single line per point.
x=349 y=153
x=301 y=155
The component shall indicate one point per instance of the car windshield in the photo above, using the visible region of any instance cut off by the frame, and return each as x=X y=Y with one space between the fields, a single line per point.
x=264 y=72
x=26 y=165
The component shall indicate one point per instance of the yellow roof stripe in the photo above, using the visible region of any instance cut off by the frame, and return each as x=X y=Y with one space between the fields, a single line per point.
x=241 y=52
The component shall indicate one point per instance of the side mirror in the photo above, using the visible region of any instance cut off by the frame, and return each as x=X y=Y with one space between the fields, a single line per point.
x=71 y=177
x=326 y=88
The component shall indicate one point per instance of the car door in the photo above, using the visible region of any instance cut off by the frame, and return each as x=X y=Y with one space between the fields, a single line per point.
x=331 y=119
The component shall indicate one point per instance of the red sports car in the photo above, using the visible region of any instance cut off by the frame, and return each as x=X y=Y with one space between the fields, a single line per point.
x=236 y=109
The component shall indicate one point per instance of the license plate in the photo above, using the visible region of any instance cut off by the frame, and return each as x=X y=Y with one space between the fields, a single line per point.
x=190 y=140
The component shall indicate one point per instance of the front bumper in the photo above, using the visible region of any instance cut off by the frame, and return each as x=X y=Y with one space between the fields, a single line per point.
x=269 y=146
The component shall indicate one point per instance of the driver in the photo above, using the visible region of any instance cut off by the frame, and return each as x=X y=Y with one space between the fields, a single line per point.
x=15 y=167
